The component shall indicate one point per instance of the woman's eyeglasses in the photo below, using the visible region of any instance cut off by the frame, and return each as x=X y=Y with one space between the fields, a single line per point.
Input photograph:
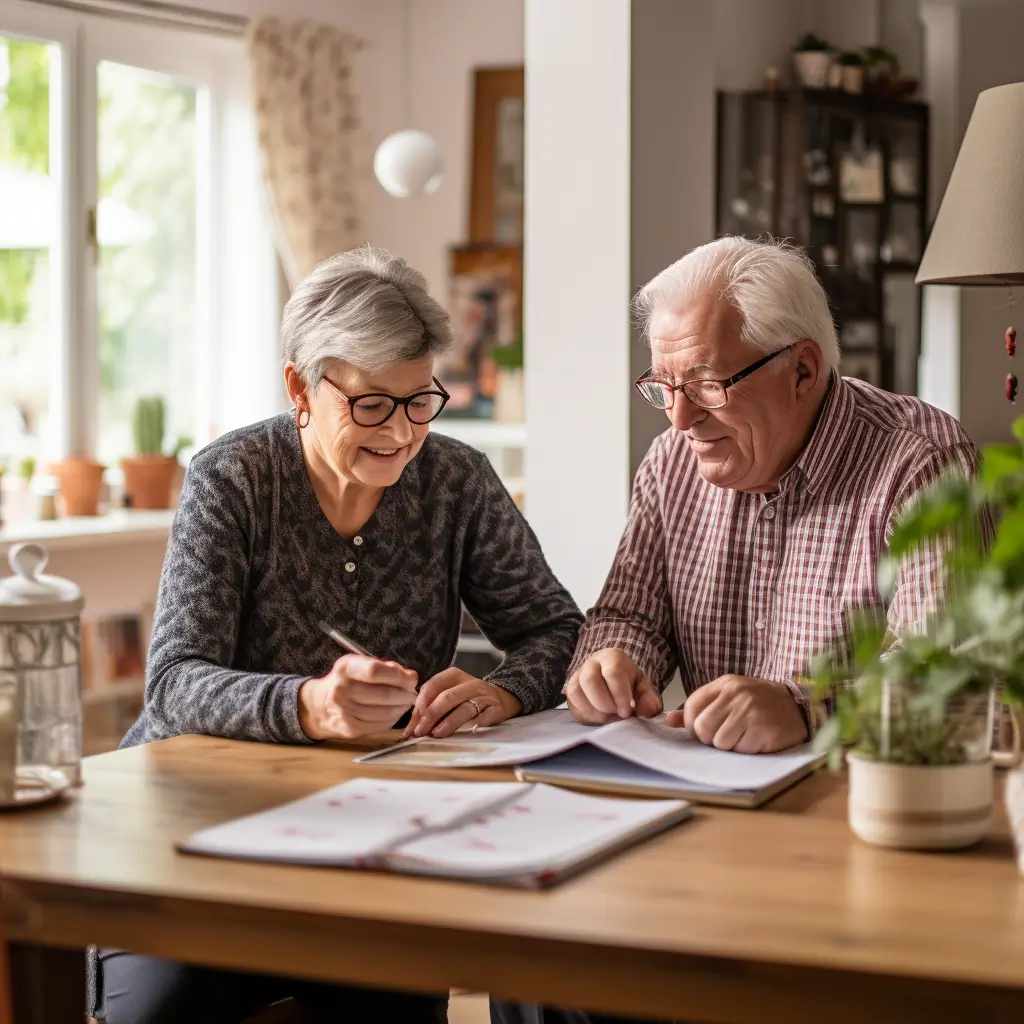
x=703 y=392
x=374 y=409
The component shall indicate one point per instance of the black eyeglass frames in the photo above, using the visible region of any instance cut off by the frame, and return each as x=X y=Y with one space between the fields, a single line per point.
x=704 y=392
x=374 y=409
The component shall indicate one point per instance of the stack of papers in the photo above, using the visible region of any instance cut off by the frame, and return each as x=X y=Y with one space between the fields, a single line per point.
x=635 y=756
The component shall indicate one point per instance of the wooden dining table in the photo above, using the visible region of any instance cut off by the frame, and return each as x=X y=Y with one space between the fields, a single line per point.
x=736 y=916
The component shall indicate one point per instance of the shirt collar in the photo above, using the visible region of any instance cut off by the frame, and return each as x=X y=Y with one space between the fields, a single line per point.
x=818 y=464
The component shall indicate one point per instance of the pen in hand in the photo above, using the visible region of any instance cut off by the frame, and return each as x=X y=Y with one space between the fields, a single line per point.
x=345 y=642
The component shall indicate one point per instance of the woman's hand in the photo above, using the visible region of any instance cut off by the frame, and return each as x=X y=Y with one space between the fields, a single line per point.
x=358 y=696
x=453 y=698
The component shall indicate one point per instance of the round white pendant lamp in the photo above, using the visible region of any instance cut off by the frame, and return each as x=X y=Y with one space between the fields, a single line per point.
x=408 y=163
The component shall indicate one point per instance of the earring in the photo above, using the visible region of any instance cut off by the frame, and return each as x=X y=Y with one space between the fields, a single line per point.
x=302 y=423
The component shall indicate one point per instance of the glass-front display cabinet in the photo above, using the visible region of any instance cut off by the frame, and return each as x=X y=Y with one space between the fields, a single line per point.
x=845 y=177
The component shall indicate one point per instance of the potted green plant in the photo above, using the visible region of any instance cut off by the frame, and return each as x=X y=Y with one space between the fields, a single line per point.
x=26 y=471
x=508 y=404
x=916 y=713
x=149 y=474
x=881 y=66
x=811 y=59
x=851 y=68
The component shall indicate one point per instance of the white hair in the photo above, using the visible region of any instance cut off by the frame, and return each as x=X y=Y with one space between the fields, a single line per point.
x=771 y=284
x=364 y=307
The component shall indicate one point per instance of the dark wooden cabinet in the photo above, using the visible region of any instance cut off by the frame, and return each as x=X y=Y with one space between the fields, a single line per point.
x=845 y=177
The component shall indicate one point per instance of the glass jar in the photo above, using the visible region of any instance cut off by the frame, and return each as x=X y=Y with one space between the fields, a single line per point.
x=40 y=680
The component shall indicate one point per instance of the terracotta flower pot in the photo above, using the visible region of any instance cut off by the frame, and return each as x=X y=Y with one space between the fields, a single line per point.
x=148 y=480
x=80 y=481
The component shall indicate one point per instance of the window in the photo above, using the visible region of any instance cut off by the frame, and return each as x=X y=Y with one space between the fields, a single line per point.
x=134 y=256
x=28 y=222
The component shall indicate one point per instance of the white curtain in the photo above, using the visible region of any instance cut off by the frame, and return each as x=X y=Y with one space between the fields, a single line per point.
x=310 y=132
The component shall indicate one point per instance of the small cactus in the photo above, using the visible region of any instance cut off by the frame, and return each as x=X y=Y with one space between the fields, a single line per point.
x=148 y=425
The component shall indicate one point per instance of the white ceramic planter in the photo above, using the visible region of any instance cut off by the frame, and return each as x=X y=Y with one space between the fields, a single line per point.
x=811 y=67
x=1015 y=811
x=917 y=806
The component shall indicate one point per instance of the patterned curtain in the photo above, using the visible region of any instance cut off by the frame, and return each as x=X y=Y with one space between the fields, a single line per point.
x=309 y=136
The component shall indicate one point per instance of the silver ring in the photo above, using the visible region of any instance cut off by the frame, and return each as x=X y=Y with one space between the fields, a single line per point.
x=479 y=710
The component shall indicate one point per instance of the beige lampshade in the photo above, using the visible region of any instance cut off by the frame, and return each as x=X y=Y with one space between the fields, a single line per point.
x=978 y=236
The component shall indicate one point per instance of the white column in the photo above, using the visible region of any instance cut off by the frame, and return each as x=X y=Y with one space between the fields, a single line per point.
x=619 y=183
x=576 y=288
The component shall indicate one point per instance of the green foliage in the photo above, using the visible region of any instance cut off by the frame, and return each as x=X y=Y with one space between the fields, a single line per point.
x=27 y=468
x=509 y=357
x=810 y=43
x=25 y=144
x=148 y=425
x=881 y=57
x=180 y=445
x=974 y=643
x=17 y=268
x=147 y=150
x=850 y=59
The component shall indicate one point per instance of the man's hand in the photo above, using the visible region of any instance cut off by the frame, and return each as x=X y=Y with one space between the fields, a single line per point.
x=608 y=686
x=454 y=698
x=750 y=716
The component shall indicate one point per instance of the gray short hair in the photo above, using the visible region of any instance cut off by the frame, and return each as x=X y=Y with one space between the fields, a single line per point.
x=771 y=284
x=364 y=307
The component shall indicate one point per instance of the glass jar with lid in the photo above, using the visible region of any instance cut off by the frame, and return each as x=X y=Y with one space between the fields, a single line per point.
x=40 y=680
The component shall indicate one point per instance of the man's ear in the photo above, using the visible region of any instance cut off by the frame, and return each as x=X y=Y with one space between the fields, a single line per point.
x=810 y=366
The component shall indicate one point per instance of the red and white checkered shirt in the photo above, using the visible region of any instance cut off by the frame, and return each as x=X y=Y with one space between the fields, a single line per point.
x=716 y=581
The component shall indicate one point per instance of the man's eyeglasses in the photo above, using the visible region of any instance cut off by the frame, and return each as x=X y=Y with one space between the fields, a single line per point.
x=374 y=409
x=703 y=392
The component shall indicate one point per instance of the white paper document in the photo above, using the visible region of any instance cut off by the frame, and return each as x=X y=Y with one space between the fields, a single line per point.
x=512 y=833
x=650 y=743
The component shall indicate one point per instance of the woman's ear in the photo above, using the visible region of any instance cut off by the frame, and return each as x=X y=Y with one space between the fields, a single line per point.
x=296 y=387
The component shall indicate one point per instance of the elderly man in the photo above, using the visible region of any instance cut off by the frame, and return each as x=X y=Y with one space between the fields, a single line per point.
x=758 y=518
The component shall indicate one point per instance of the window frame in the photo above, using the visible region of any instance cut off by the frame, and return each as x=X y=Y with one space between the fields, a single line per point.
x=230 y=323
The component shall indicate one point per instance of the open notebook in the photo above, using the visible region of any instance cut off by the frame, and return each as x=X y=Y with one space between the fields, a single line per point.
x=635 y=756
x=513 y=833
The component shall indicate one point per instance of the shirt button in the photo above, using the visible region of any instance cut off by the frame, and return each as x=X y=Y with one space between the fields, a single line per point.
x=358 y=541
x=350 y=567
x=760 y=624
x=769 y=513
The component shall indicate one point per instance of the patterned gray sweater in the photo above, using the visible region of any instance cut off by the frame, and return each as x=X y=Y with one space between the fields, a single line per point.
x=253 y=565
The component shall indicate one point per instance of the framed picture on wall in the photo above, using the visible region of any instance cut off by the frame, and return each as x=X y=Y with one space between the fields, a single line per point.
x=485 y=302
x=496 y=181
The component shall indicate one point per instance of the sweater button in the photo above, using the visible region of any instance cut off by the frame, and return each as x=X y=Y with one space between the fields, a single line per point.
x=350 y=567
x=358 y=541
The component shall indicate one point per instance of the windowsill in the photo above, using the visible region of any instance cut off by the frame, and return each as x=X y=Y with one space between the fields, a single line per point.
x=90 y=531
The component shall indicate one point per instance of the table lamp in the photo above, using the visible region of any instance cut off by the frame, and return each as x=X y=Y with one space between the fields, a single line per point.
x=978 y=236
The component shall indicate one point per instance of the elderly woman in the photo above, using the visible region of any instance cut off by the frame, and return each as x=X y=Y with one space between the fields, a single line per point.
x=347 y=511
